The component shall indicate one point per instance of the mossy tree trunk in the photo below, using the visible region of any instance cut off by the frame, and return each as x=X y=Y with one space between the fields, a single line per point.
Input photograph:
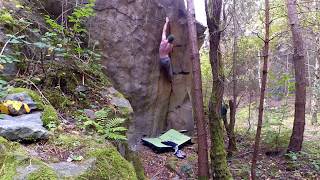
x=219 y=164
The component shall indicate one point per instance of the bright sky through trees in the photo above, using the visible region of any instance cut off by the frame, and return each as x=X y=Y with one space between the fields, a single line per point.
x=200 y=11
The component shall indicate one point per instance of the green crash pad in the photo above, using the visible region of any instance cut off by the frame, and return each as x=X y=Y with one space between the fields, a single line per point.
x=172 y=135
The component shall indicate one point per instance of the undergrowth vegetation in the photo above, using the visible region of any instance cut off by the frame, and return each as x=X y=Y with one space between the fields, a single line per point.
x=104 y=123
x=53 y=56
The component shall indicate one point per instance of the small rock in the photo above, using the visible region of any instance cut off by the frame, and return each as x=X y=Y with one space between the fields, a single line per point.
x=2 y=148
x=81 y=88
x=23 y=128
x=25 y=171
x=105 y=94
x=186 y=168
x=23 y=97
x=90 y=113
x=120 y=102
x=68 y=169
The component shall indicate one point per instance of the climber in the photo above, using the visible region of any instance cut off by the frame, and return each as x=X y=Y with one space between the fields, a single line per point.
x=164 y=51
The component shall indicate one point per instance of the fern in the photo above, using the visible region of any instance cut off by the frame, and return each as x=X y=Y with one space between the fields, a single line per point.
x=115 y=122
x=113 y=136
x=109 y=128
x=114 y=130
x=102 y=115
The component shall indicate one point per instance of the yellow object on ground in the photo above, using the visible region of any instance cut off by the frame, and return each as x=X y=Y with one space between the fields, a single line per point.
x=4 y=109
x=14 y=107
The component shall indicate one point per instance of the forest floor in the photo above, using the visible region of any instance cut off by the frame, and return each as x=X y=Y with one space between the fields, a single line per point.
x=273 y=161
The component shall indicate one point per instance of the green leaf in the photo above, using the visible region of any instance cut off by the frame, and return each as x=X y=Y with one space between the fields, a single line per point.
x=77 y=158
x=118 y=129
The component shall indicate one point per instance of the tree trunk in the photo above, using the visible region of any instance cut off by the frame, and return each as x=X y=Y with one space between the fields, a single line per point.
x=225 y=122
x=233 y=104
x=219 y=164
x=232 y=147
x=249 y=112
x=315 y=96
x=203 y=170
x=296 y=139
x=262 y=91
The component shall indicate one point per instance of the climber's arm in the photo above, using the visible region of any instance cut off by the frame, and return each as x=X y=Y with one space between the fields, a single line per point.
x=164 y=31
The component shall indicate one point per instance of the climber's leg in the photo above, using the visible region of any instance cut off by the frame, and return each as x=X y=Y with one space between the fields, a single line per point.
x=165 y=64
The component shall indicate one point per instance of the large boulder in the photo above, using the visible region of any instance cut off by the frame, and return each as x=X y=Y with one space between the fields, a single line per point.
x=100 y=160
x=129 y=34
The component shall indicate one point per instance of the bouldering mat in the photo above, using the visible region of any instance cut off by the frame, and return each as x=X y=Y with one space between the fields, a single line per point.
x=159 y=144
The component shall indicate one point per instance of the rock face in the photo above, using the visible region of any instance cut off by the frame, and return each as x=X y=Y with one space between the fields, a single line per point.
x=23 y=128
x=129 y=34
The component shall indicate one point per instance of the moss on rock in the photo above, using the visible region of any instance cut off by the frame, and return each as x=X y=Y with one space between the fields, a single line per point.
x=110 y=165
x=44 y=173
x=49 y=116
x=11 y=157
x=132 y=157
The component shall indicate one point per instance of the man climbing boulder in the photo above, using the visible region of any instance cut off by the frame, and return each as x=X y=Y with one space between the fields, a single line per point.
x=165 y=48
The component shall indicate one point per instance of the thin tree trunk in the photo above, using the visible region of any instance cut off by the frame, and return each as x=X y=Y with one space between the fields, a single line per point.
x=219 y=164
x=262 y=91
x=233 y=105
x=203 y=170
x=232 y=138
x=296 y=139
x=315 y=96
x=309 y=83
x=226 y=124
x=249 y=112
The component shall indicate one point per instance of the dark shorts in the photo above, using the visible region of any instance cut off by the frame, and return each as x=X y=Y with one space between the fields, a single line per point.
x=165 y=64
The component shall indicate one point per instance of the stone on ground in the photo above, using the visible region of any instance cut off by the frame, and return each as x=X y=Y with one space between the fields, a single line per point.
x=23 y=97
x=69 y=169
x=27 y=127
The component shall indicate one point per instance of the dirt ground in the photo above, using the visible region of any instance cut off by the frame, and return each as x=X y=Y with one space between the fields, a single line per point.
x=273 y=163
